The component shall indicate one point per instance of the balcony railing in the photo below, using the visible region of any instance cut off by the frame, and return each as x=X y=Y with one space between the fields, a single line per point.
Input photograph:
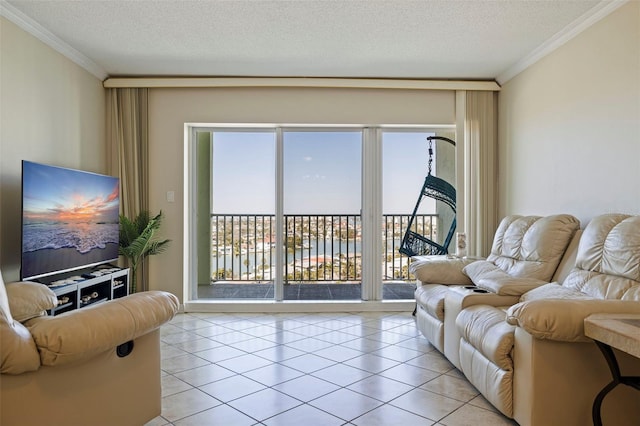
x=318 y=248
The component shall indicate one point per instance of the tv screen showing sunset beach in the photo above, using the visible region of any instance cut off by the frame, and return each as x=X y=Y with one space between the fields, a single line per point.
x=70 y=219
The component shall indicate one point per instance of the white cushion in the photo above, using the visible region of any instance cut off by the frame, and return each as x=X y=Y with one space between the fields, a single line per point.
x=431 y=298
x=608 y=259
x=486 y=275
x=485 y=328
x=532 y=246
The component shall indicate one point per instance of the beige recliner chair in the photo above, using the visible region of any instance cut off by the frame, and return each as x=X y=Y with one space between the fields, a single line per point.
x=98 y=365
x=532 y=360
x=526 y=252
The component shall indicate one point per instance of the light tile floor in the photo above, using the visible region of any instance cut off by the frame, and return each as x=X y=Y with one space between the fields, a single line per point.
x=363 y=369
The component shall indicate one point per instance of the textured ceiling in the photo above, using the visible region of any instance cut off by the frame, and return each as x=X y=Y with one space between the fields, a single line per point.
x=386 y=39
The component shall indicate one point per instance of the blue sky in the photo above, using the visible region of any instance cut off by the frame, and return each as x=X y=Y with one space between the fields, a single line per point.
x=404 y=167
x=244 y=172
x=58 y=194
x=322 y=172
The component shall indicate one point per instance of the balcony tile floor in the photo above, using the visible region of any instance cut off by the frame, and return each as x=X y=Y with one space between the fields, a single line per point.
x=315 y=291
x=357 y=369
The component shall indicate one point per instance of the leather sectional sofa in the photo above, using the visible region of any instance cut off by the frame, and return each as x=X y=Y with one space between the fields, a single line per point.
x=520 y=341
x=526 y=252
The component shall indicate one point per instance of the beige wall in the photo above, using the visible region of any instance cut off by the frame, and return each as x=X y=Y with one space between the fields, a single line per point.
x=51 y=111
x=169 y=109
x=569 y=126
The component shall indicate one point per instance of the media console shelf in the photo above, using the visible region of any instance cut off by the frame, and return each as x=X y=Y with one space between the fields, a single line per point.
x=79 y=291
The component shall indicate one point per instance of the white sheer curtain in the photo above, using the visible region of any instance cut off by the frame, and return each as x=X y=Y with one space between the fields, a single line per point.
x=480 y=171
x=128 y=153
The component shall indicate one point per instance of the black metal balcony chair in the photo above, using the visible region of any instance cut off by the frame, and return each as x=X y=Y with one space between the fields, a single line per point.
x=413 y=243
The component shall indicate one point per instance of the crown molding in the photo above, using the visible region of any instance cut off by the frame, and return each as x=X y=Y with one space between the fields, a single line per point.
x=589 y=18
x=350 y=83
x=47 y=37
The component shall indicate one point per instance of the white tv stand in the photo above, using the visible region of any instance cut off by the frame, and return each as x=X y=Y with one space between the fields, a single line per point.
x=89 y=287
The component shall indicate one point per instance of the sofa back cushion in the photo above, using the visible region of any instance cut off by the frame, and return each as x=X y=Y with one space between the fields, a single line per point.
x=532 y=246
x=568 y=259
x=608 y=259
x=525 y=254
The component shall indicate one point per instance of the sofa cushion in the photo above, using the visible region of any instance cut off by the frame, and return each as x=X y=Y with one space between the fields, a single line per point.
x=484 y=327
x=554 y=291
x=608 y=259
x=18 y=353
x=603 y=286
x=29 y=300
x=431 y=298
x=486 y=275
x=494 y=383
x=532 y=246
x=440 y=269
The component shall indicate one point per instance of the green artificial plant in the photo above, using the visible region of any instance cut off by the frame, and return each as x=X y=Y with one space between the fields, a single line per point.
x=137 y=241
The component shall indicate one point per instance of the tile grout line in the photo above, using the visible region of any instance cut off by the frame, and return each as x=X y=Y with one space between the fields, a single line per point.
x=394 y=340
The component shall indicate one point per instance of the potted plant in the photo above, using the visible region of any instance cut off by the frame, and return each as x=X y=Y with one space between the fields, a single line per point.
x=137 y=241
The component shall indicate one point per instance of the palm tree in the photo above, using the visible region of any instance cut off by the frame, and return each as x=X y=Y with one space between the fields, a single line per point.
x=137 y=242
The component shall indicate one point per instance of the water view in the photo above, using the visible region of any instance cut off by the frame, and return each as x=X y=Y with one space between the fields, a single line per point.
x=318 y=247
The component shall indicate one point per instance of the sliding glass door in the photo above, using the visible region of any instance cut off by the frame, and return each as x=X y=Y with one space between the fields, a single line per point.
x=404 y=166
x=290 y=213
x=284 y=209
x=322 y=204
x=241 y=197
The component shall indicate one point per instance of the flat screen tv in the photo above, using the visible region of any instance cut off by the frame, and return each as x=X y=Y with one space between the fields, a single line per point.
x=70 y=220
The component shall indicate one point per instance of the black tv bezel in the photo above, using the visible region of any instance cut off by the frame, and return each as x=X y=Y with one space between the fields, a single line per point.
x=57 y=272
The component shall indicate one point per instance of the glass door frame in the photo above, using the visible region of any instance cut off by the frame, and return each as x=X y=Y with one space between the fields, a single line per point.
x=371 y=219
x=281 y=130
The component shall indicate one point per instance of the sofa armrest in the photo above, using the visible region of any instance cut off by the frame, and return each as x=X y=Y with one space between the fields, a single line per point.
x=562 y=319
x=464 y=296
x=441 y=269
x=83 y=333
